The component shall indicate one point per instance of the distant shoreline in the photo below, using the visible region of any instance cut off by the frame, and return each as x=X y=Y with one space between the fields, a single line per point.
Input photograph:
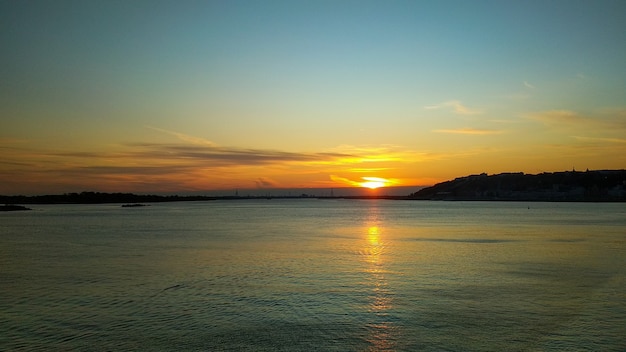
x=129 y=199
x=33 y=201
x=568 y=186
x=11 y=207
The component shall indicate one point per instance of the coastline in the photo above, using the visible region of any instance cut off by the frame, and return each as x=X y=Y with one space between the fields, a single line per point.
x=569 y=186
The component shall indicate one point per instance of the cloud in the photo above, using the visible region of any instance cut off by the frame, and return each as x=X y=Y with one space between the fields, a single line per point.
x=528 y=85
x=456 y=106
x=364 y=179
x=174 y=166
x=607 y=119
x=199 y=154
x=558 y=117
x=184 y=137
x=470 y=131
x=148 y=170
x=263 y=182
x=202 y=150
x=378 y=154
x=197 y=159
x=601 y=139
x=344 y=180
x=601 y=131
x=369 y=170
x=193 y=164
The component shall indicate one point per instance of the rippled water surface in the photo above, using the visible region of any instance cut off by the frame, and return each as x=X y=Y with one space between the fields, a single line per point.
x=302 y=275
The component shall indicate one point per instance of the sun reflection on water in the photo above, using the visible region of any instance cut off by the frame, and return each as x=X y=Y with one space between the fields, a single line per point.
x=373 y=237
x=381 y=330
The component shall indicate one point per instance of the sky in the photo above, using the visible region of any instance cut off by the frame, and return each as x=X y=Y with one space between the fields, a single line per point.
x=186 y=96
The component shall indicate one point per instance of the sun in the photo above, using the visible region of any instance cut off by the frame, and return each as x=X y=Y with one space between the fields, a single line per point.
x=374 y=182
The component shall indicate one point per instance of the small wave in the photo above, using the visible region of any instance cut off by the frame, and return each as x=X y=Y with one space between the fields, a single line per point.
x=464 y=240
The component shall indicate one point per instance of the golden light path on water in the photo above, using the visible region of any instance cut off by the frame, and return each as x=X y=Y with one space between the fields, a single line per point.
x=381 y=331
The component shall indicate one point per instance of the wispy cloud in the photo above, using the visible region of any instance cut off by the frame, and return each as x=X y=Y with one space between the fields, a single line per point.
x=470 y=131
x=607 y=119
x=558 y=117
x=184 y=137
x=528 y=85
x=204 y=155
x=371 y=154
x=601 y=139
x=363 y=180
x=369 y=170
x=345 y=180
x=189 y=164
x=456 y=107
x=598 y=133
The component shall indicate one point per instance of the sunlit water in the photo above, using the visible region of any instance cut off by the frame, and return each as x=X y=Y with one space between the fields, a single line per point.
x=302 y=275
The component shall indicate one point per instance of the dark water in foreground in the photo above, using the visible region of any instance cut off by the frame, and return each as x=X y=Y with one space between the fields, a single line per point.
x=301 y=275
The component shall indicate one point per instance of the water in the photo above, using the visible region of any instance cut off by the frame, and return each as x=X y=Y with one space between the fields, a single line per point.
x=302 y=275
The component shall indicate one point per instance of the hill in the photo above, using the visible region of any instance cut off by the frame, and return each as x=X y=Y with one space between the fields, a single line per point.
x=594 y=186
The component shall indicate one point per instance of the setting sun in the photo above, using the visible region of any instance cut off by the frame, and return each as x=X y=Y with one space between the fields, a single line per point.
x=374 y=182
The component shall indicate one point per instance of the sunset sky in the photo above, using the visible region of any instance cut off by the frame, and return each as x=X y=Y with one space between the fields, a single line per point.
x=182 y=96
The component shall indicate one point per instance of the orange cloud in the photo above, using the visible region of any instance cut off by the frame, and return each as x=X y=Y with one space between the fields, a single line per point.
x=602 y=140
x=193 y=165
x=471 y=131
x=365 y=181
